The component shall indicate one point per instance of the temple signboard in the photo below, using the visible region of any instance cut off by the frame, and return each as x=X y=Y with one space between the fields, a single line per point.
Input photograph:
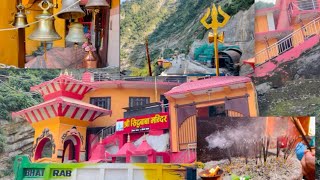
x=143 y=123
x=39 y=172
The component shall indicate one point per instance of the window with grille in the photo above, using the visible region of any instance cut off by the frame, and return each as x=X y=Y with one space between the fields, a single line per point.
x=138 y=101
x=103 y=102
x=308 y=4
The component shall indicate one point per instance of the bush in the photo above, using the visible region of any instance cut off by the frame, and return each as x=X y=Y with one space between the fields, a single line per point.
x=2 y=141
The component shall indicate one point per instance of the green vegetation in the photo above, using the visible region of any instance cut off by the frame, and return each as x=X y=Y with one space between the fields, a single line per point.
x=141 y=18
x=165 y=23
x=140 y=71
x=9 y=168
x=2 y=141
x=290 y=107
x=15 y=89
x=318 y=147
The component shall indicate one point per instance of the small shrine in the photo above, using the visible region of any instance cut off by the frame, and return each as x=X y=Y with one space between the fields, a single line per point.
x=61 y=121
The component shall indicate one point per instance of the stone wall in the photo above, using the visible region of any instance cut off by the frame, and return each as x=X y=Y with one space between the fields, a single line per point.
x=19 y=140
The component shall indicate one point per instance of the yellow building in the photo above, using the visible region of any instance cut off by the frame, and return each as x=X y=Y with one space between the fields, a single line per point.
x=217 y=96
x=76 y=114
x=17 y=45
x=121 y=94
x=286 y=25
x=61 y=121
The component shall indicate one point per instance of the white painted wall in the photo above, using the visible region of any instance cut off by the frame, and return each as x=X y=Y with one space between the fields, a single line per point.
x=114 y=38
x=271 y=24
x=158 y=143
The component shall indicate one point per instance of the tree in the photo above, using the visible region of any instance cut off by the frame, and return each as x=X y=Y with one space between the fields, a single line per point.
x=15 y=89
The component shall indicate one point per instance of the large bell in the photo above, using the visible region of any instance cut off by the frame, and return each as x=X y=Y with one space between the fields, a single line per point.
x=73 y=12
x=45 y=30
x=97 y=4
x=76 y=33
x=20 y=19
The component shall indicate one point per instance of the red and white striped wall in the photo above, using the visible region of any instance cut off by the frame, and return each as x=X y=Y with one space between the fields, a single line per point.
x=64 y=85
x=63 y=107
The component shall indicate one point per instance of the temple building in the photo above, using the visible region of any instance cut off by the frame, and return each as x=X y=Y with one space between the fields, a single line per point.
x=283 y=32
x=21 y=51
x=130 y=119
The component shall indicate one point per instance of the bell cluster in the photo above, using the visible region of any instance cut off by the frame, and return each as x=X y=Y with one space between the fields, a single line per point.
x=46 y=32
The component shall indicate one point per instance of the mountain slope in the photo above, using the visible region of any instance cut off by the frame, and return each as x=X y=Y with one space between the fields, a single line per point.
x=176 y=27
x=293 y=88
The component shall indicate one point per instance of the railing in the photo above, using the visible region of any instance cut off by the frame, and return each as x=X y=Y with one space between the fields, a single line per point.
x=306 y=5
x=103 y=133
x=100 y=76
x=289 y=42
x=104 y=77
x=151 y=108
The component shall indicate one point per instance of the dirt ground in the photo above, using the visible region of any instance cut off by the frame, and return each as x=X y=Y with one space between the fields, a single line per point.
x=274 y=169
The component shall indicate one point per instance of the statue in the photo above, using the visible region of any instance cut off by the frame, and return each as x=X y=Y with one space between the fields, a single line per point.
x=214 y=25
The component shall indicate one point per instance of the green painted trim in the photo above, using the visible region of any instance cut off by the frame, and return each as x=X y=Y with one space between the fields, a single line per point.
x=46 y=171
x=23 y=163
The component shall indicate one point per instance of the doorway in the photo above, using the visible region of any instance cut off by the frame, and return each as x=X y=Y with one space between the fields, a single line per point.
x=44 y=149
x=71 y=149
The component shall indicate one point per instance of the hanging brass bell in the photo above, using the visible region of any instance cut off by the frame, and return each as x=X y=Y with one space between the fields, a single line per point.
x=97 y=4
x=73 y=12
x=45 y=30
x=76 y=33
x=20 y=19
x=89 y=61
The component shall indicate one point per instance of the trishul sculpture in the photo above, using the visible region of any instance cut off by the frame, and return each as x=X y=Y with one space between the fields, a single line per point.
x=214 y=25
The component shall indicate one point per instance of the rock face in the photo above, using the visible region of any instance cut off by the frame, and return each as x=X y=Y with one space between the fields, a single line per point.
x=299 y=97
x=171 y=33
x=19 y=140
x=19 y=137
x=240 y=31
x=293 y=88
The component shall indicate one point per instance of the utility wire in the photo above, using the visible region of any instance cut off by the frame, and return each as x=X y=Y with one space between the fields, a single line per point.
x=63 y=10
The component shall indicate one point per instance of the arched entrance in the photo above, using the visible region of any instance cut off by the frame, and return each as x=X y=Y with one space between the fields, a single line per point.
x=44 y=149
x=71 y=148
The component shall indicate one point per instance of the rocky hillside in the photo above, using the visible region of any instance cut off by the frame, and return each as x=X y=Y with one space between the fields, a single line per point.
x=293 y=88
x=298 y=97
x=174 y=24
x=238 y=32
x=18 y=137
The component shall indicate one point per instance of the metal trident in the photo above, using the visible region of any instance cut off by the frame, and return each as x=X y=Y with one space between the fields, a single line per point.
x=214 y=25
